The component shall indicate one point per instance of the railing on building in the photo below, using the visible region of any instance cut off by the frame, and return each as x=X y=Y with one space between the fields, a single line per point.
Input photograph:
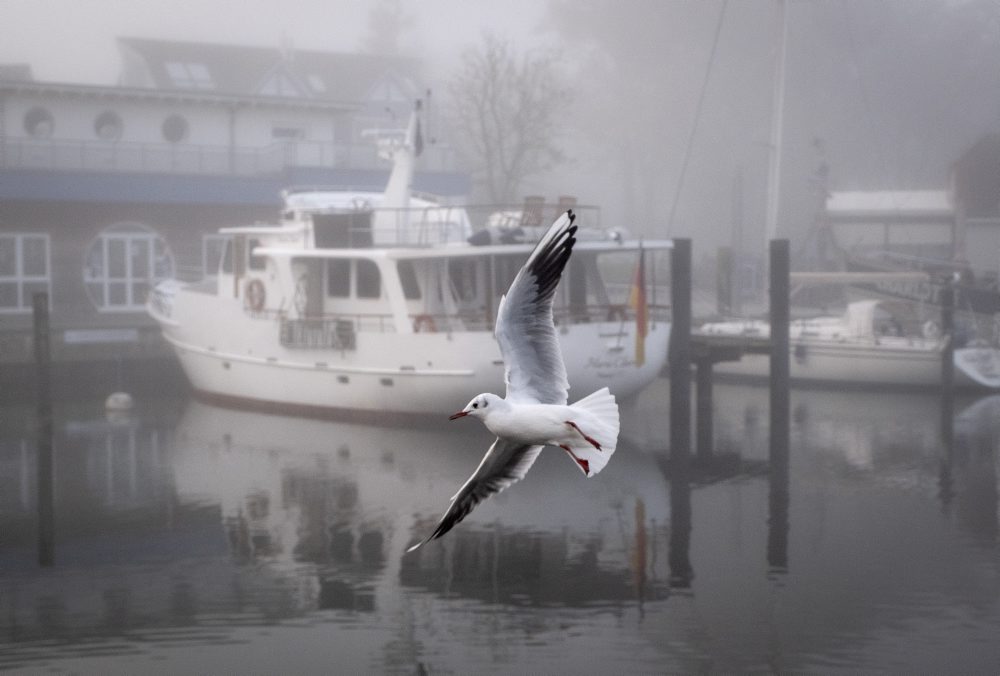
x=126 y=156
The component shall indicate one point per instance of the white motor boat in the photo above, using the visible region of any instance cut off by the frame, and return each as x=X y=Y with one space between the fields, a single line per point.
x=875 y=342
x=385 y=302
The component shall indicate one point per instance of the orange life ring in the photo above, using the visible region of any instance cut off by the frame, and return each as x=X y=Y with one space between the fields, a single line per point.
x=255 y=295
x=424 y=323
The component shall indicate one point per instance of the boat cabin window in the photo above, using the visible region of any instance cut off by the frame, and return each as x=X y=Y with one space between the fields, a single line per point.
x=213 y=246
x=255 y=262
x=463 y=276
x=369 y=279
x=352 y=229
x=227 y=257
x=231 y=249
x=408 y=278
x=338 y=278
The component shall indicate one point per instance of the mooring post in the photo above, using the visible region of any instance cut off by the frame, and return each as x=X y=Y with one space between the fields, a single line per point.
x=680 y=413
x=680 y=352
x=724 y=281
x=780 y=408
x=46 y=505
x=948 y=333
x=948 y=364
x=703 y=407
x=780 y=346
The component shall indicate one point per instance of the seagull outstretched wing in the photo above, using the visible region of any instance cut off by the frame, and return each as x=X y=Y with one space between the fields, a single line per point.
x=534 y=369
x=506 y=462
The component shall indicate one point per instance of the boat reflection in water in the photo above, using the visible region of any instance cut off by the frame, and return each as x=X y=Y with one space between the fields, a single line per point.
x=298 y=490
x=182 y=532
x=192 y=538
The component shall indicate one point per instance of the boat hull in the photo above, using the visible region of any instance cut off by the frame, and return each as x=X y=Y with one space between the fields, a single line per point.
x=864 y=366
x=412 y=373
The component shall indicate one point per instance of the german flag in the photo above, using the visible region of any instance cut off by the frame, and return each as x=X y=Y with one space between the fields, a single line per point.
x=637 y=301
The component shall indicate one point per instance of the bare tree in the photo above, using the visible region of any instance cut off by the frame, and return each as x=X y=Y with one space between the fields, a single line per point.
x=505 y=112
x=387 y=24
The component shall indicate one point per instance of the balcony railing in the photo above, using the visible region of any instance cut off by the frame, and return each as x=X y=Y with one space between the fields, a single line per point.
x=126 y=156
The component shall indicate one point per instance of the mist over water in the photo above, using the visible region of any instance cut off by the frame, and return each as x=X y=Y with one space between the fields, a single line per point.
x=193 y=537
x=885 y=95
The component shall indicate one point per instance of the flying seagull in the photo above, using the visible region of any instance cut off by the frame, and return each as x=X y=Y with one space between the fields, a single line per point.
x=534 y=413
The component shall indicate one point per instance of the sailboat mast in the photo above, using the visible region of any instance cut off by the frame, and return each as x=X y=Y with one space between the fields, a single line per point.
x=777 y=114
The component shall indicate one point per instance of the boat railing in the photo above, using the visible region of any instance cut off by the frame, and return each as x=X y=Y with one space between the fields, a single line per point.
x=336 y=333
x=439 y=224
x=339 y=331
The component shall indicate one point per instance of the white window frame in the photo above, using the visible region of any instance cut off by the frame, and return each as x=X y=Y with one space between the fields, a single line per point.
x=208 y=269
x=25 y=305
x=127 y=233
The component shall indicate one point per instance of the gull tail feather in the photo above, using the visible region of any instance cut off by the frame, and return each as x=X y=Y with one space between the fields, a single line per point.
x=596 y=417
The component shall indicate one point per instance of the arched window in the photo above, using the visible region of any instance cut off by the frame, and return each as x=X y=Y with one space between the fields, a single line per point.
x=122 y=264
x=175 y=128
x=38 y=122
x=108 y=126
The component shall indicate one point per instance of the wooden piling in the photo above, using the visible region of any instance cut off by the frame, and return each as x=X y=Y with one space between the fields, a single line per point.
x=947 y=388
x=780 y=348
x=777 y=549
x=43 y=361
x=948 y=332
x=703 y=408
x=680 y=352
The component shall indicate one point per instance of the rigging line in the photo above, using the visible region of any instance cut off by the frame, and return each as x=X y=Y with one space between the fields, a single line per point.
x=697 y=117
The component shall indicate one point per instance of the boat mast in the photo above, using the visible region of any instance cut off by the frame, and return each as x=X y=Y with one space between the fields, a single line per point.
x=777 y=115
x=402 y=152
x=391 y=222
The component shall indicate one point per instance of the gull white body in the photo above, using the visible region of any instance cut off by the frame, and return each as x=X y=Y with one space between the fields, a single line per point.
x=535 y=412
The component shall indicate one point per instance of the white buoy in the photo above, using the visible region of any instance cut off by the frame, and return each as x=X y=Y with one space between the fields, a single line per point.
x=118 y=401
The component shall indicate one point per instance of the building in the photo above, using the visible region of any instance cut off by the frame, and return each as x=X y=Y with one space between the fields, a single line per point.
x=954 y=226
x=104 y=190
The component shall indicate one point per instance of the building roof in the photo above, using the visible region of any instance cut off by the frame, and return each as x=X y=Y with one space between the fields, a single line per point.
x=853 y=203
x=257 y=71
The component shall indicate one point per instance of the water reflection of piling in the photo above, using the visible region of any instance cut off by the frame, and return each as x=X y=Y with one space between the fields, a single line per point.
x=681 y=571
x=777 y=541
x=680 y=415
x=46 y=506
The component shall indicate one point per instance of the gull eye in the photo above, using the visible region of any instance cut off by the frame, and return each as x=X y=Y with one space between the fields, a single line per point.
x=476 y=405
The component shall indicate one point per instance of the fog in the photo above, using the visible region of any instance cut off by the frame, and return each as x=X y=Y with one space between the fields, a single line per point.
x=888 y=94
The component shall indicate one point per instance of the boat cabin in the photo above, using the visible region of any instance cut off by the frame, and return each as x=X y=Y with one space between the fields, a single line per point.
x=322 y=274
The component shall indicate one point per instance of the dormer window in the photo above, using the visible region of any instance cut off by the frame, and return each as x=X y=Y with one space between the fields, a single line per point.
x=280 y=84
x=189 y=75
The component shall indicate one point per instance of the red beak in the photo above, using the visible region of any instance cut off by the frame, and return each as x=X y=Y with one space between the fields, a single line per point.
x=456 y=416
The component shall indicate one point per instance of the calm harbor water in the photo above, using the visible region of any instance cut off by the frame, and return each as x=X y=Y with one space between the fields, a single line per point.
x=198 y=539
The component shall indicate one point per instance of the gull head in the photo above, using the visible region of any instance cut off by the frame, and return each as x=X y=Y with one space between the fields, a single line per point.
x=479 y=407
